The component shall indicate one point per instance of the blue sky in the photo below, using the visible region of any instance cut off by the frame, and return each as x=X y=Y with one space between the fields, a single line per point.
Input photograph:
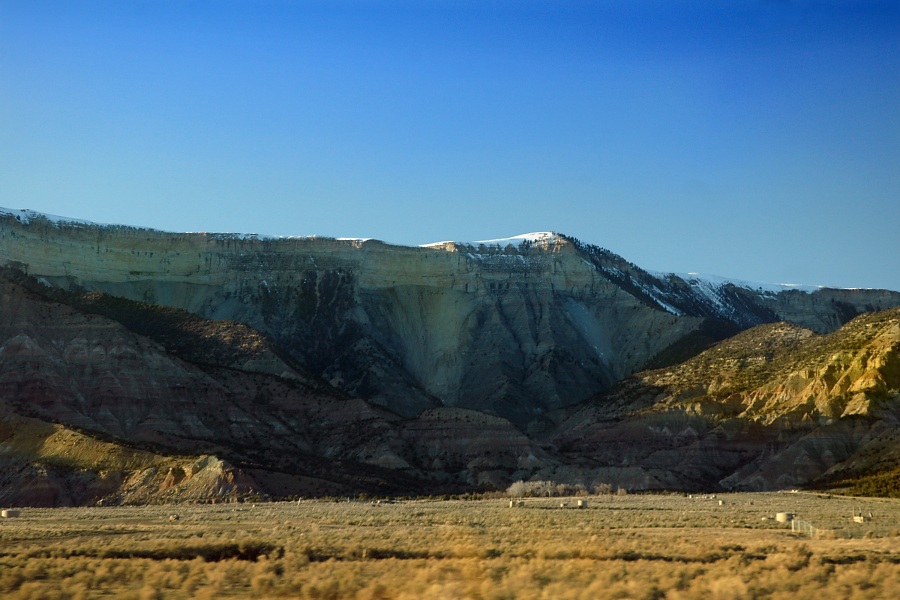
x=753 y=139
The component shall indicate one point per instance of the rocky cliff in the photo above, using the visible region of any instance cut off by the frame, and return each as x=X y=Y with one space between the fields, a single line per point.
x=120 y=409
x=511 y=329
x=774 y=407
x=143 y=366
x=95 y=411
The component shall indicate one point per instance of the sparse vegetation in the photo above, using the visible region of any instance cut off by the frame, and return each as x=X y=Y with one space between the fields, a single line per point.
x=636 y=546
x=885 y=484
x=766 y=353
x=550 y=489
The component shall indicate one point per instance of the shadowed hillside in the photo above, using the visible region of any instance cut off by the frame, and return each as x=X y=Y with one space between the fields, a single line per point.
x=228 y=366
x=515 y=328
x=126 y=409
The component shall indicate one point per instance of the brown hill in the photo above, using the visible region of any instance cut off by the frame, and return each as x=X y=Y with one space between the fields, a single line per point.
x=773 y=407
x=190 y=387
x=96 y=411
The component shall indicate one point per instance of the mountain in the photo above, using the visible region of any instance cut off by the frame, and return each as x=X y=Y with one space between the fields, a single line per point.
x=138 y=365
x=143 y=406
x=515 y=328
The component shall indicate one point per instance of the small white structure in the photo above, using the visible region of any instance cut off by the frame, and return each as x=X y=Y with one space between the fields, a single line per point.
x=10 y=513
x=859 y=517
x=784 y=517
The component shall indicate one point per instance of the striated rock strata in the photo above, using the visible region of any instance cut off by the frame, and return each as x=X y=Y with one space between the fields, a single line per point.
x=774 y=407
x=142 y=366
x=511 y=330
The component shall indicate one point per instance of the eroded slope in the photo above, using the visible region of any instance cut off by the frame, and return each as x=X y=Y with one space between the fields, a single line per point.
x=776 y=406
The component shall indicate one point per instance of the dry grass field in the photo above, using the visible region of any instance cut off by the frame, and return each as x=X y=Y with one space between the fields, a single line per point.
x=633 y=546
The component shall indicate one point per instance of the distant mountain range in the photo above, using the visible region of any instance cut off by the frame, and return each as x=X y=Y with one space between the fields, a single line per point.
x=139 y=365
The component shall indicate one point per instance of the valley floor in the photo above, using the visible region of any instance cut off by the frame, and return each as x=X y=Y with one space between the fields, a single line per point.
x=637 y=546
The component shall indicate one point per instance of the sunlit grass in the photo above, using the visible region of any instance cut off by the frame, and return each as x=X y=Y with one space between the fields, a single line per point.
x=618 y=547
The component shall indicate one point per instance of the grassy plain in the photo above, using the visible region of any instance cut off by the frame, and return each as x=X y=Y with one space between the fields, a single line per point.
x=635 y=546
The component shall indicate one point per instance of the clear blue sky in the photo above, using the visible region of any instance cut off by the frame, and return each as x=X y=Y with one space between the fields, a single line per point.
x=753 y=139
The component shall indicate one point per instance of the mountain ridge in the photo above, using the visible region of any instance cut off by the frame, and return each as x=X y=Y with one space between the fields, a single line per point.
x=311 y=366
x=274 y=434
x=515 y=330
x=25 y=216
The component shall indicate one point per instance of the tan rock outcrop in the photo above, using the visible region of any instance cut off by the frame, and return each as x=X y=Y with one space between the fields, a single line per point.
x=773 y=407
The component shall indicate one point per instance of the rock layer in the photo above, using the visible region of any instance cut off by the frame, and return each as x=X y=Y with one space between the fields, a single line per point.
x=516 y=330
x=773 y=407
x=137 y=365
x=95 y=411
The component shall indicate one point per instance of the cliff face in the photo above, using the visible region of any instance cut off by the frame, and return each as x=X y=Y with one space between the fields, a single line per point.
x=93 y=410
x=515 y=331
x=109 y=399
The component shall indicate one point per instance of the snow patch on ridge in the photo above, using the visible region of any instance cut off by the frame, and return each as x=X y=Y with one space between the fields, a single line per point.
x=516 y=240
x=711 y=288
x=703 y=282
x=25 y=216
x=494 y=254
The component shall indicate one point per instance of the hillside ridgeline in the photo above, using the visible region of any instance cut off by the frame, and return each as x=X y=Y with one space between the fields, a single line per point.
x=516 y=330
x=141 y=366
